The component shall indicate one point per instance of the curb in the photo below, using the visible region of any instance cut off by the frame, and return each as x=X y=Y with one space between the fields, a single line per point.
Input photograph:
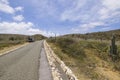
x=52 y=58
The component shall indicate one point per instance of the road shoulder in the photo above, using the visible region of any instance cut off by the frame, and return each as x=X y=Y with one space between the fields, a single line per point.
x=12 y=48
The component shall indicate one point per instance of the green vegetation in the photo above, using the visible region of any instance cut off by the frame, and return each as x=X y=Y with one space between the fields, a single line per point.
x=113 y=49
x=97 y=35
x=7 y=40
x=17 y=37
x=85 y=57
x=38 y=37
x=8 y=44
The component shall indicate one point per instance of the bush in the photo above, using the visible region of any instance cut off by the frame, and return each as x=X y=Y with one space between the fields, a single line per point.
x=77 y=51
x=65 y=42
x=70 y=46
x=51 y=39
x=101 y=47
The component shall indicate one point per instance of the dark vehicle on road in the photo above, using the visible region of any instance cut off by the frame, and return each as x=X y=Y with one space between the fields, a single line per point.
x=30 y=39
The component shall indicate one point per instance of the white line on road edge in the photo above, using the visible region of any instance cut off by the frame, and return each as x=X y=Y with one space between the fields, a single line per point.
x=52 y=58
x=13 y=49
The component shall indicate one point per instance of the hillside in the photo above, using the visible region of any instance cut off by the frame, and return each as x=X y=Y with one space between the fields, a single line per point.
x=18 y=37
x=12 y=37
x=8 y=40
x=106 y=35
x=38 y=37
x=89 y=59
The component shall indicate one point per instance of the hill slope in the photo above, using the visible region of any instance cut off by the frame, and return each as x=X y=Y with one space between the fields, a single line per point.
x=8 y=40
x=18 y=37
x=88 y=59
x=106 y=35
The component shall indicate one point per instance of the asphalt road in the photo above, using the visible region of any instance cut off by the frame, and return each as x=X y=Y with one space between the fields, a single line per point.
x=25 y=63
x=44 y=70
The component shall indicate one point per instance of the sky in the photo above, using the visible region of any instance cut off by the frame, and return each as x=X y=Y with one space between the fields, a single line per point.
x=50 y=17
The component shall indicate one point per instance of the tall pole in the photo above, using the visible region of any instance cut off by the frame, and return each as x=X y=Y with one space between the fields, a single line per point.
x=55 y=37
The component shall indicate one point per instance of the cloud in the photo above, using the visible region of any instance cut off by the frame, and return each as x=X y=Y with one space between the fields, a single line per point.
x=53 y=8
x=13 y=27
x=19 y=8
x=18 y=18
x=111 y=4
x=44 y=8
x=105 y=28
x=85 y=13
x=85 y=27
x=5 y=1
x=111 y=8
x=81 y=15
x=22 y=28
x=5 y=7
x=18 y=27
x=73 y=13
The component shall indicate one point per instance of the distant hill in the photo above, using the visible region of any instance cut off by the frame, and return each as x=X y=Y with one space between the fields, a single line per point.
x=38 y=37
x=19 y=37
x=106 y=35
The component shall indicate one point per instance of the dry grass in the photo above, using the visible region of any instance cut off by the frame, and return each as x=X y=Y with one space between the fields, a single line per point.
x=6 y=47
x=88 y=60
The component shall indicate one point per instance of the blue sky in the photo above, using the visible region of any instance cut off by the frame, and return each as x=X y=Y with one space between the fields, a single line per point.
x=50 y=17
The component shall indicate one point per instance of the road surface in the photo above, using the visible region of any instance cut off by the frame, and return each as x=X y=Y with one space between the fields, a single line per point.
x=26 y=63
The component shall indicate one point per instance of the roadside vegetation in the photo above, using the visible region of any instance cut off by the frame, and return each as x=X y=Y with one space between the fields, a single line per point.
x=9 y=40
x=88 y=59
x=9 y=44
x=97 y=35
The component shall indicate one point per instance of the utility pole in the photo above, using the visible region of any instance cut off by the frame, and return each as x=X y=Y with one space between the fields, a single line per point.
x=55 y=37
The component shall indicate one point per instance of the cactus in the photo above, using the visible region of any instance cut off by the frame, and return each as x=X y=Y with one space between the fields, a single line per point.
x=113 y=48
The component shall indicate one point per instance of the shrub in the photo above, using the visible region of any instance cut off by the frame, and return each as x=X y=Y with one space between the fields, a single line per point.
x=71 y=47
x=77 y=51
x=65 y=42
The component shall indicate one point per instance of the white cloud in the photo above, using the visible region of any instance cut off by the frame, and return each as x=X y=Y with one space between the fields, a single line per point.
x=44 y=8
x=105 y=28
x=5 y=1
x=111 y=8
x=22 y=28
x=19 y=8
x=48 y=8
x=111 y=4
x=73 y=13
x=85 y=13
x=32 y=31
x=104 y=13
x=13 y=27
x=18 y=18
x=5 y=7
x=27 y=28
x=81 y=11
x=85 y=27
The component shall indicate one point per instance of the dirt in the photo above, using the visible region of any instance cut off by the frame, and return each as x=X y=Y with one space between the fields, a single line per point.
x=109 y=74
x=105 y=69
